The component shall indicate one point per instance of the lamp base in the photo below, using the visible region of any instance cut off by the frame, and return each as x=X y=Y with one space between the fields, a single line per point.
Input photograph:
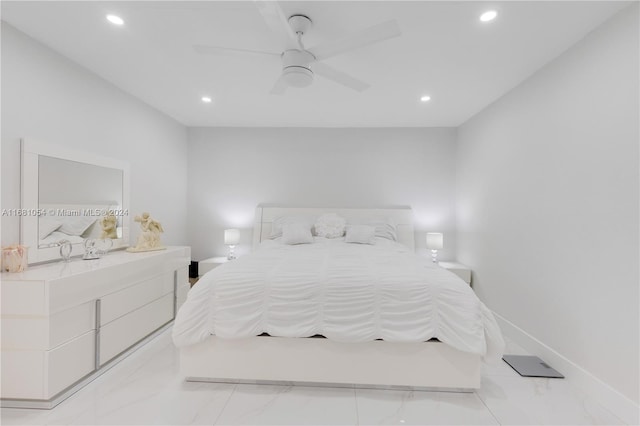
x=434 y=256
x=231 y=254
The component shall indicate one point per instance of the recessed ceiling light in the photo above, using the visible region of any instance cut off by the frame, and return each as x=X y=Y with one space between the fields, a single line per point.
x=206 y=99
x=425 y=98
x=116 y=20
x=489 y=15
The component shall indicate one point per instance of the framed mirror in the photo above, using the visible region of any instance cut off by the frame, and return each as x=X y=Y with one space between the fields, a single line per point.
x=71 y=196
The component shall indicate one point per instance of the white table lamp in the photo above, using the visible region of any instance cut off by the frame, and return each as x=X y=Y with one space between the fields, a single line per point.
x=231 y=239
x=434 y=243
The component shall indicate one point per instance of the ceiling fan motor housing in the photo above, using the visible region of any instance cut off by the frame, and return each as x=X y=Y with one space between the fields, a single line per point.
x=296 y=67
x=299 y=23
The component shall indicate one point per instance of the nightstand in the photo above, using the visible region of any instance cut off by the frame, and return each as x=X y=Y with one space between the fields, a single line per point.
x=459 y=269
x=206 y=265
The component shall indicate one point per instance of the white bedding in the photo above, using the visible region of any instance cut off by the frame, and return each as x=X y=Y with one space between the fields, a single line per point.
x=345 y=292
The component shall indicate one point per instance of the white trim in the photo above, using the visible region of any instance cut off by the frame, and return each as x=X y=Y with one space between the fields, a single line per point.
x=608 y=397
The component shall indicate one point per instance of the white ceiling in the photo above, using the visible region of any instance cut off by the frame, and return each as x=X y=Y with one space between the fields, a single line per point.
x=444 y=51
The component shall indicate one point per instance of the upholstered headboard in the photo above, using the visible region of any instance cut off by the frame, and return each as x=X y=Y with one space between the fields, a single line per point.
x=402 y=216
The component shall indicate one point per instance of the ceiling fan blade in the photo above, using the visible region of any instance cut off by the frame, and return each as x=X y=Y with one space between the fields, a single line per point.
x=280 y=87
x=229 y=51
x=380 y=32
x=275 y=19
x=339 y=77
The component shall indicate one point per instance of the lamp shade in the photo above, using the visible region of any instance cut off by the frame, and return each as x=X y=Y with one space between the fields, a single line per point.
x=434 y=240
x=231 y=237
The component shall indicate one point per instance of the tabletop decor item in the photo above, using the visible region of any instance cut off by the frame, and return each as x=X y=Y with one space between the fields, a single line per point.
x=14 y=258
x=96 y=248
x=149 y=239
x=104 y=245
x=109 y=224
x=65 y=250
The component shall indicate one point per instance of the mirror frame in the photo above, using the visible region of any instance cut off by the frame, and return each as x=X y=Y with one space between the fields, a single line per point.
x=29 y=193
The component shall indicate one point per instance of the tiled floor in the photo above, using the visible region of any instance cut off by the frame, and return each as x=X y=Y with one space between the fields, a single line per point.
x=146 y=388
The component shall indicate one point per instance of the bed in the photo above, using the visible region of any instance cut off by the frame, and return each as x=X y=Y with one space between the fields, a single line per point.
x=336 y=313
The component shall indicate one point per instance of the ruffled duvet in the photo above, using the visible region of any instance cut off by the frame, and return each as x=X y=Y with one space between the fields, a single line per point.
x=345 y=292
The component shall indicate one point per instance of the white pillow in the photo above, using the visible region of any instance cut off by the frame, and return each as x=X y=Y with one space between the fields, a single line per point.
x=46 y=225
x=296 y=233
x=330 y=225
x=385 y=228
x=361 y=234
x=76 y=225
x=280 y=222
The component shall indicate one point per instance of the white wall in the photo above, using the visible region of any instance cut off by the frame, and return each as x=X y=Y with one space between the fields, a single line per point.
x=52 y=100
x=232 y=170
x=547 y=206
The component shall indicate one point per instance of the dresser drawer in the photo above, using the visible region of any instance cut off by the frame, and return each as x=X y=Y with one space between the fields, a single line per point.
x=118 y=304
x=23 y=297
x=127 y=330
x=70 y=362
x=35 y=374
x=22 y=374
x=71 y=323
x=45 y=333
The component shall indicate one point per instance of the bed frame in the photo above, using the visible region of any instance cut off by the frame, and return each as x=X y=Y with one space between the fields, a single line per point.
x=318 y=361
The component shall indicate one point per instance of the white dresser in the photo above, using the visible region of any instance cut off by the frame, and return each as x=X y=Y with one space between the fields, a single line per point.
x=65 y=323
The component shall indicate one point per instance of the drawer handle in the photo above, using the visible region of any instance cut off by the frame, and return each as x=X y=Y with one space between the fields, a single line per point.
x=97 y=341
x=175 y=294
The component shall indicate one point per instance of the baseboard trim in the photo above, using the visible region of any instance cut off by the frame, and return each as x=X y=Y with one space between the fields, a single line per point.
x=623 y=407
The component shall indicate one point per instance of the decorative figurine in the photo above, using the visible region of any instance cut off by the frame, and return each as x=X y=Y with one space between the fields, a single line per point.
x=150 y=238
x=108 y=224
x=95 y=249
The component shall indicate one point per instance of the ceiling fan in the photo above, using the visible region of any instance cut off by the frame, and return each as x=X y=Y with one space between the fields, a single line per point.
x=299 y=64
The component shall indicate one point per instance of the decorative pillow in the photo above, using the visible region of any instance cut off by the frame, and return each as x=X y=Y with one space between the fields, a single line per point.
x=330 y=225
x=46 y=225
x=385 y=228
x=280 y=222
x=361 y=234
x=76 y=225
x=296 y=234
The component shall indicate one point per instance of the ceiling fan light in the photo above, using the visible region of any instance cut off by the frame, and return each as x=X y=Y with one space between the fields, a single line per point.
x=297 y=76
